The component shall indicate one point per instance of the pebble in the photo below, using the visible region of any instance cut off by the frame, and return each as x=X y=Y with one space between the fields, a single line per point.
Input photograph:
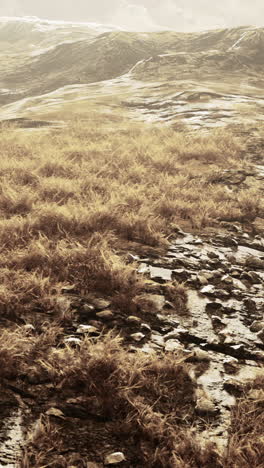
x=72 y=341
x=115 y=458
x=173 y=345
x=137 y=336
x=146 y=328
x=205 y=406
x=209 y=289
x=216 y=306
x=260 y=335
x=175 y=334
x=231 y=365
x=89 y=329
x=87 y=309
x=202 y=279
x=105 y=315
x=157 y=339
x=133 y=320
x=217 y=320
x=29 y=328
x=101 y=304
x=256 y=326
x=250 y=305
x=55 y=412
x=200 y=355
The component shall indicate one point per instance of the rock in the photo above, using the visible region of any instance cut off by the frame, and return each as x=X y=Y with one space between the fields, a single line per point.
x=160 y=274
x=175 y=334
x=72 y=341
x=256 y=326
x=55 y=412
x=70 y=289
x=29 y=328
x=105 y=315
x=143 y=269
x=101 y=304
x=236 y=274
x=222 y=293
x=205 y=406
x=92 y=465
x=260 y=335
x=180 y=274
x=250 y=305
x=87 y=329
x=254 y=262
x=256 y=394
x=145 y=328
x=198 y=241
x=214 y=274
x=227 y=279
x=238 y=347
x=209 y=290
x=239 y=285
x=233 y=386
x=212 y=255
x=173 y=345
x=168 y=321
x=130 y=258
x=200 y=355
x=87 y=309
x=226 y=337
x=226 y=241
x=231 y=365
x=202 y=279
x=169 y=305
x=216 y=321
x=96 y=324
x=150 y=303
x=255 y=277
x=137 y=337
x=157 y=339
x=133 y=320
x=213 y=306
x=115 y=458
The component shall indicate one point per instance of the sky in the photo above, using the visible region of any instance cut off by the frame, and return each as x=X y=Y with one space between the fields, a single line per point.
x=140 y=15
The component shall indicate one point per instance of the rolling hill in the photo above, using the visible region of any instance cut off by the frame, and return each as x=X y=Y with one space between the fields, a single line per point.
x=192 y=77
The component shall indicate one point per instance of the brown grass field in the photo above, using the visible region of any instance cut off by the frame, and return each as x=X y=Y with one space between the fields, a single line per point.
x=73 y=202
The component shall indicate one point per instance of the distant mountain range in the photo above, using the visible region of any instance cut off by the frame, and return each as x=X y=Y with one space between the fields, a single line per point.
x=145 y=72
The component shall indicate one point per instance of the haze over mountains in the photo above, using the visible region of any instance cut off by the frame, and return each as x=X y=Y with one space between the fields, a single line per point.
x=167 y=75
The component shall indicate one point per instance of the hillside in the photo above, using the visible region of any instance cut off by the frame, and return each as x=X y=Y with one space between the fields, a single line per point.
x=159 y=75
x=132 y=247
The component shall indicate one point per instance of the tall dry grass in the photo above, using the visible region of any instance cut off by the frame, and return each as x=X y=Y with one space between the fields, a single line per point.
x=70 y=197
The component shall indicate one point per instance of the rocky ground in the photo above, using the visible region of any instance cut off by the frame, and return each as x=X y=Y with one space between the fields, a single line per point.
x=219 y=325
x=222 y=327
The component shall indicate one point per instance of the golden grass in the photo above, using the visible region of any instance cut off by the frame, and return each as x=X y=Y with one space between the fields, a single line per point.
x=70 y=197
x=135 y=398
x=246 y=445
x=73 y=202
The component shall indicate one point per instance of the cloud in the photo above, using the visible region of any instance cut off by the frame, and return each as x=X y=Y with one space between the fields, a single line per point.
x=182 y=15
x=133 y=16
x=9 y=7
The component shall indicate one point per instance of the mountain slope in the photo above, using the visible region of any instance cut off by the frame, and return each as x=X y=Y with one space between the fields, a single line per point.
x=63 y=64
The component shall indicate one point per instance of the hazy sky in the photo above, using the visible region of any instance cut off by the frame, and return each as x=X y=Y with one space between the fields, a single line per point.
x=144 y=14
